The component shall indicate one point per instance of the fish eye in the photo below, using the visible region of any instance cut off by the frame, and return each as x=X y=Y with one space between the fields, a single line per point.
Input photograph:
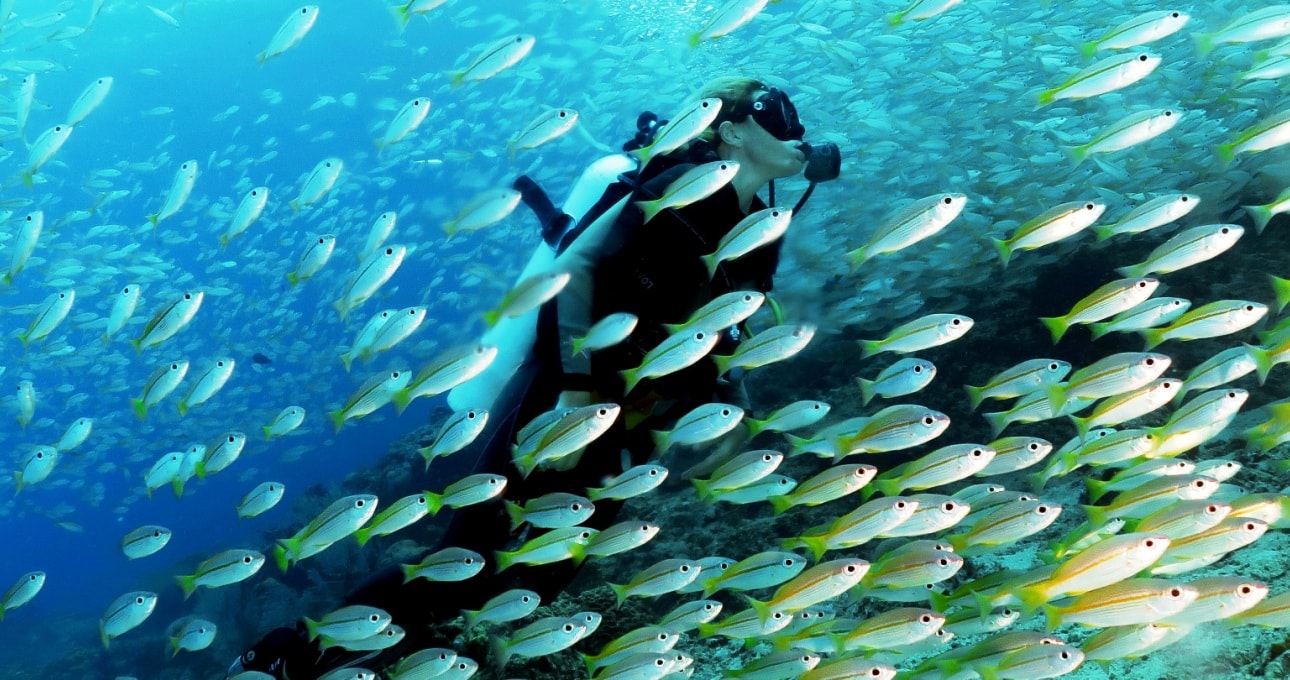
x=470 y=415
x=575 y=507
x=1250 y=526
x=304 y=10
x=1142 y=57
x=653 y=473
x=1042 y=509
x=875 y=672
x=156 y=534
x=947 y=200
x=602 y=412
x=725 y=412
x=468 y=561
x=977 y=453
x=1245 y=590
x=33 y=577
x=247 y=559
x=1149 y=543
x=374 y=618
x=249 y=656
x=231 y=439
x=928 y=420
x=685 y=568
x=918 y=369
x=955 y=322
x=1249 y=308
x=1183 y=199
x=1065 y=654
x=699 y=336
x=519 y=39
x=948 y=507
x=188 y=296
x=943 y=562
x=850 y=569
x=139 y=600
x=1173 y=15
x=1034 y=446
x=360 y=503
x=568 y=627
x=1168 y=113
x=1224 y=230
x=40 y=455
x=900 y=505
x=389 y=251
x=925 y=618
x=788 y=562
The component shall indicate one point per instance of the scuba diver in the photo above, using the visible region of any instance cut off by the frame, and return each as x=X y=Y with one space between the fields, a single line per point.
x=618 y=263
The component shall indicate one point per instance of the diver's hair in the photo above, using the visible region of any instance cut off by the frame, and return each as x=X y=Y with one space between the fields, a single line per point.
x=735 y=92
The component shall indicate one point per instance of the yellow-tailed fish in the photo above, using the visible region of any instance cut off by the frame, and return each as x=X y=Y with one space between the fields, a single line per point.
x=1109 y=376
x=456 y=433
x=397 y=329
x=24 y=244
x=292 y=31
x=1127 y=406
x=1206 y=546
x=1108 y=561
x=751 y=233
x=374 y=273
x=633 y=482
x=571 y=432
x=905 y=376
x=90 y=98
x=210 y=382
x=1222 y=317
x=945 y=465
x=921 y=10
x=722 y=312
x=702 y=424
x=796 y=415
x=910 y=568
x=450 y=368
x=125 y=614
x=337 y=521
x=546 y=127
x=49 y=315
x=404 y=12
x=540 y=638
x=124 y=302
x=894 y=428
x=22 y=103
x=1187 y=248
x=606 y=332
x=1039 y=661
x=728 y=17
x=248 y=211
x=693 y=185
x=1156 y=312
x=446 y=565
x=922 y=333
x=511 y=605
x=376 y=392
x=169 y=320
x=762 y=570
x=160 y=384
x=1156 y=212
x=620 y=538
x=222 y=453
x=643 y=640
x=180 y=188
x=664 y=577
x=164 y=471
x=43 y=149
x=1142 y=29
x=1108 y=300
x=1227 y=366
x=144 y=541
x=682 y=128
x=1110 y=74
x=1136 y=475
x=553 y=546
x=222 y=569
x=913 y=223
x=353 y=622
x=286 y=422
x=822 y=582
x=1152 y=495
x=680 y=350
x=1261 y=24
x=740 y=471
x=361 y=348
x=831 y=484
x=1134 y=129
x=1024 y=378
x=1005 y=525
x=319 y=181
x=1262 y=214
x=1053 y=225
x=1013 y=454
x=408 y=118
x=856 y=527
x=75 y=435
x=936 y=512
x=1219 y=597
x=485 y=209
x=495 y=58
x=380 y=230
x=261 y=499
x=1134 y=601
x=468 y=490
x=527 y=295
x=1269 y=133
x=555 y=510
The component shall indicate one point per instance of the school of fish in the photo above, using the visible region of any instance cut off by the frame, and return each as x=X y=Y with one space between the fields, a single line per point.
x=976 y=132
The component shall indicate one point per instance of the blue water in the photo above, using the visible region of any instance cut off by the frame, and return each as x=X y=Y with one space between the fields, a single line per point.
x=609 y=59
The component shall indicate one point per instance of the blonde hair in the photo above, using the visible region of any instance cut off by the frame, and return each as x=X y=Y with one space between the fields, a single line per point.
x=734 y=92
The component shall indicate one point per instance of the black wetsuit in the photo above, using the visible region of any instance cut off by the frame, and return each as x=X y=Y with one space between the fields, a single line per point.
x=652 y=270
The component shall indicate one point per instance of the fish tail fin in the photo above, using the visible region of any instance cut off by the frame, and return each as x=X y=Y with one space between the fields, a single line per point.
x=762 y=609
x=975 y=395
x=268 y=432
x=155 y=219
x=888 y=487
x=515 y=512
x=458 y=79
x=1057 y=325
x=1088 y=50
x=998 y=421
x=1204 y=43
x=704 y=488
x=1005 y=251
x=576 y=346
x=29 y=183
x=1096 y=488
x=1097 y=514
x=1052 y=617
x=363 y=536
x=857 y=257
x=17 y=478
x=870 y=347
x=1077 y=155
x=1056 y=398
x=958 y=542
x=895 y=19
x=1261 y=214
x=866 y=391
x=722 y=362
x=1081 y=425
x=816 y=544
x=694 y=39
x=1132 y=271
x=504 y=560
x=293 y=279
x=261 y=58
x=177 y=486
x=620 y=593
x=780 y=503
x=434 y=503
x=140 y=408
x=295 y=205
x=200 y=469
x=753 y=426
x=103 y=635
x=188 y=584
x=1103 y=232
x=650 y=209
x=1152 y=337
x=1281 y=288
x=137 y=345
x=661 y=441
x=224 y=240
x=1099 y=329
x=337 y=419
x=174 y=646
x=491 y=317
x=183 y=407
x=630 y=379
x=1262 y=361
x=449 y=229
x=1226 y=153
x=401 y=399
x=280 y=555
x=1045 y=98
x=710 y=263
x=1032 y=598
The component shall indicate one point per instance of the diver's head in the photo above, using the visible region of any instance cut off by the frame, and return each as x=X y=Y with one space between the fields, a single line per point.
x=758 y=126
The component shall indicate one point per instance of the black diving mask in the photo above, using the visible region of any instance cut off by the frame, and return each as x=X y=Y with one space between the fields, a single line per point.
x=775 y=113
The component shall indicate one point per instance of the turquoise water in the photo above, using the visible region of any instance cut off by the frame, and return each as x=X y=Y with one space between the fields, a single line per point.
x=942 y=105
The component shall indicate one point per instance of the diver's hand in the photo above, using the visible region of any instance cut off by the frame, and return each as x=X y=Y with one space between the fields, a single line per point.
x=282 y=651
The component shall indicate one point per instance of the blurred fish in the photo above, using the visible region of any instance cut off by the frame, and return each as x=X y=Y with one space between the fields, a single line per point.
x=292 y=31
